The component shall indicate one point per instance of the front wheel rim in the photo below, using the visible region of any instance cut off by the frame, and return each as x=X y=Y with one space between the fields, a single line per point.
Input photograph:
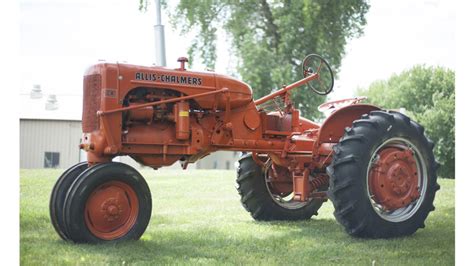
x=397 y=180
x=111 y=210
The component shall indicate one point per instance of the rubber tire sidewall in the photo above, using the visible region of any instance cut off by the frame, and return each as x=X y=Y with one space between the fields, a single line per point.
x=58 y=196
x=87 y=182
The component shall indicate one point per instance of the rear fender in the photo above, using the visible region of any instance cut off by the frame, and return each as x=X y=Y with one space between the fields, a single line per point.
x=333 y=127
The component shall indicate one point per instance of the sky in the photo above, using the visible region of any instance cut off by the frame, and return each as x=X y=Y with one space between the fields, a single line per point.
x=59 y=39
x=398 y=35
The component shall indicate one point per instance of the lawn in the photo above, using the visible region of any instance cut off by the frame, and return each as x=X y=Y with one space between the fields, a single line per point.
x=197 y=219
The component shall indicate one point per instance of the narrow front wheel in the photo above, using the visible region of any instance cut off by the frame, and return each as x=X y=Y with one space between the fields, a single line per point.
x=107 y=202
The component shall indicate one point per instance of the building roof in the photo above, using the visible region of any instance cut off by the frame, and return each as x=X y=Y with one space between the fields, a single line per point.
x=69 y=108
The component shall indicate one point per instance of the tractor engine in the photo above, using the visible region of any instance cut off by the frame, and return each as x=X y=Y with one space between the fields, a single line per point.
x=157 y=134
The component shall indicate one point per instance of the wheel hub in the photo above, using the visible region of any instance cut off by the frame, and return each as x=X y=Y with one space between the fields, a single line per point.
x=393 y=178
x=111 y=210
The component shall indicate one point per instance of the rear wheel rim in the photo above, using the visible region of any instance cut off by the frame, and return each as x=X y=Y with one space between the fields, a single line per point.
x=111 y=210
x=397 y=180
x=286 y=200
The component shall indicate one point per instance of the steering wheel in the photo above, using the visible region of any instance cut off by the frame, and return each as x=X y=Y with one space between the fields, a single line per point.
x=314 y=63
x=340 y=103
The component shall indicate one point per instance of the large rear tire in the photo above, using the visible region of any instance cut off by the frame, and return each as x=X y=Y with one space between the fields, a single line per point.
x=58 y=195
x=383 y=176
x=108 y=202
x=259 y=201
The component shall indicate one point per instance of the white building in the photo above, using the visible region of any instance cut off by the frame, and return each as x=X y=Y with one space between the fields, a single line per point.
x=50 y=138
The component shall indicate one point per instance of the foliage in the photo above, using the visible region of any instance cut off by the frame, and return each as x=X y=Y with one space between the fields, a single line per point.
x=270 y=38
x=197 y=219
x=427 y=93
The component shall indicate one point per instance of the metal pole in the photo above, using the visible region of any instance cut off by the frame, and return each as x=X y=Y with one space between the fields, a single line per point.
x=159 y=37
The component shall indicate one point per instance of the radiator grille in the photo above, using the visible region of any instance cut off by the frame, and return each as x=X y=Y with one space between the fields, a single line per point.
x=91 y=103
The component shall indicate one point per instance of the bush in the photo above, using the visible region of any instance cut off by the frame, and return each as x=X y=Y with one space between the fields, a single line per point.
x=427 y=93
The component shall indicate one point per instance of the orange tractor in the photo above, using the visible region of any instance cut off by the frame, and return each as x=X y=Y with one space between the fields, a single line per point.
x=376 y=166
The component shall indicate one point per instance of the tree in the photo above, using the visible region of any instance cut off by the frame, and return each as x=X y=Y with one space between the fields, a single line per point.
x=427 y=93
x=269 y=38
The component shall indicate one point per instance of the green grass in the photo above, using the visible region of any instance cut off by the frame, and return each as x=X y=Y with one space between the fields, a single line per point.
x=197 y=219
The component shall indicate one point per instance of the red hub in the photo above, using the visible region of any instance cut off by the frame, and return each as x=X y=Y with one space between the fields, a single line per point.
x=111 y=210
x=393 y=179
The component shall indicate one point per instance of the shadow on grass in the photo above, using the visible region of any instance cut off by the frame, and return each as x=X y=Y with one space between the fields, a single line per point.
x=217 y=246
x=271 y=242
x=315 y=239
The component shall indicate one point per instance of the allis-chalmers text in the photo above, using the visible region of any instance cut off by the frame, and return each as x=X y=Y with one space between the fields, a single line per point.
x=168 y=78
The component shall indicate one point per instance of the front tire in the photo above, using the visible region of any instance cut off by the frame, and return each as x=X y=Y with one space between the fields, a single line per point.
x=58 y=196
x=108 y=202
x=383 y=176
x=257 y=199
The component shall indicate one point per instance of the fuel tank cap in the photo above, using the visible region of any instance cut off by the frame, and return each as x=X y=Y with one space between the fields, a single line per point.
x=183 y=61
